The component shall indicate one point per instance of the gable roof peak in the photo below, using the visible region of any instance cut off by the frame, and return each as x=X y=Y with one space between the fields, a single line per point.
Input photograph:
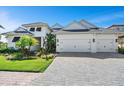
x=57 y=25
x=74 y=25
x=87 y=24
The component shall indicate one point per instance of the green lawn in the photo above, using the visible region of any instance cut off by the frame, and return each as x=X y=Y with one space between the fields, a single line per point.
x=33 y=65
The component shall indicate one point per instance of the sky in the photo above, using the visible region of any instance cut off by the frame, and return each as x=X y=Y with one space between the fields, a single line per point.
x=12 y=17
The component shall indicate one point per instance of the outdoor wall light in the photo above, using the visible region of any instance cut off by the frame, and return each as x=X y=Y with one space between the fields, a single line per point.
x=116 y=40
x=93 y=40
x=57 y=40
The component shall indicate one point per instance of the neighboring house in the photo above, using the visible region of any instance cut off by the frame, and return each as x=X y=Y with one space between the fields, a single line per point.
x=37 y=30
x=121 y=36
x=85 y=37
x=117 y=27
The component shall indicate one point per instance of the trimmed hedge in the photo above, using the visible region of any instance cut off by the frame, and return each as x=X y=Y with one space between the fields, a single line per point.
x=8 y=50
x=121 y=50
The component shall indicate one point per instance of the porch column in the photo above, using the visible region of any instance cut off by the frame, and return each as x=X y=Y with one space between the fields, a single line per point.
x=42 y=41
x=93 y=44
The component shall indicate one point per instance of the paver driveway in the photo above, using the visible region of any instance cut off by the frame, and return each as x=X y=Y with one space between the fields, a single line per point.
x=84 y=69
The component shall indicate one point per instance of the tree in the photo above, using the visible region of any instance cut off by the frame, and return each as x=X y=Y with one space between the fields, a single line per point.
x=50 y=43
x=31 y=42
x=25 y=42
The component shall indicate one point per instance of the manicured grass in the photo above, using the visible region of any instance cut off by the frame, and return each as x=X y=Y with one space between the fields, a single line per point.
x=33 y=65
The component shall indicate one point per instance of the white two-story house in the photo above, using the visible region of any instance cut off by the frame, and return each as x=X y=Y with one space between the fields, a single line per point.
x=77 y=36
x=37 y=30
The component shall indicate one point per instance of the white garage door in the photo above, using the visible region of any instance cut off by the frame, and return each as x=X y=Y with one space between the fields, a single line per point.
x=105 y=45
x=69 y=45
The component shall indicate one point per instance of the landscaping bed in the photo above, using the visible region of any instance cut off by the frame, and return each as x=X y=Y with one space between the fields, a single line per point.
x=30 y=65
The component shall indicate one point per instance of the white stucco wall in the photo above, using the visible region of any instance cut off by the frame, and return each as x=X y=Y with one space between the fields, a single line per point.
x=42 y=33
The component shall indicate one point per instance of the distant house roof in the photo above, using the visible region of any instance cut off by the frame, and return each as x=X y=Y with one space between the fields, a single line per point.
x=57 y=26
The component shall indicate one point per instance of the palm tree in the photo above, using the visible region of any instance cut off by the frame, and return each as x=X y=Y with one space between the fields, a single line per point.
x=2 y=27
x=26 y=41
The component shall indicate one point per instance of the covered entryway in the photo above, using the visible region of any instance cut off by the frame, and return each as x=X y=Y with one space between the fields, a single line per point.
x=36 y=47
x=75 y=45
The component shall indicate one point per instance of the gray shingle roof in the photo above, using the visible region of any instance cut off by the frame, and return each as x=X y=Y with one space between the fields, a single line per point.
x=74 y=26
x=87 y=24
x=36 y=23
x=18 y=30
x=22 y=30
x=85 y=27
x=98 y=31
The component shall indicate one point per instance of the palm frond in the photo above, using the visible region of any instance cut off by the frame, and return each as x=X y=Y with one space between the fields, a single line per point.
x=2 y=27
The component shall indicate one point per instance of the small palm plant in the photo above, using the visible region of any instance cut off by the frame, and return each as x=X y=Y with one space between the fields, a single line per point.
x=26 y=41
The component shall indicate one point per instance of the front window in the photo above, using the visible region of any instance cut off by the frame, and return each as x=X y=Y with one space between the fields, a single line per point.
x=32 y=29
x=38 y=29
x=15 y=39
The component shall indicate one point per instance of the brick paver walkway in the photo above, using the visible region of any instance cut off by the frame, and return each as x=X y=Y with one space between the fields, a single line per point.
x=17 y=78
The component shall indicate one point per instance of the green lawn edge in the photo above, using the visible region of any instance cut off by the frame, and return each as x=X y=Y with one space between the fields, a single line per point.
x=37 y=65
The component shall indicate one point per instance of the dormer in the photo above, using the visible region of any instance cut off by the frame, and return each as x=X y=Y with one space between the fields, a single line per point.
x=38 y=28
x=35 y=27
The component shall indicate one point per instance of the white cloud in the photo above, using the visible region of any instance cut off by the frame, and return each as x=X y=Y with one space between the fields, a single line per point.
x=8 y=22
x=108 y=17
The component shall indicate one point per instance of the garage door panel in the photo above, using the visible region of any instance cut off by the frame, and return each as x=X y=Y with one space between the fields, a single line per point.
x=68 y=45
x=105 y=45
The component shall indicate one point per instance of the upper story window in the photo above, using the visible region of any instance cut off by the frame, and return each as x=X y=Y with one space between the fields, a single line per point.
x=116 y=28
x=32 y=29
x=122 y=29
x=38 y=29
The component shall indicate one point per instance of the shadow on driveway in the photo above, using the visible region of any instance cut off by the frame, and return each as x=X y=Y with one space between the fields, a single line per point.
x=92 y=55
